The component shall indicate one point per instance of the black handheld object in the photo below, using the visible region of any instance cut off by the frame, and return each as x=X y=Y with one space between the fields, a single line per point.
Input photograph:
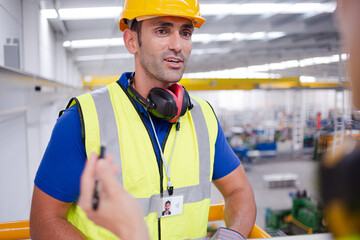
x=95 y=200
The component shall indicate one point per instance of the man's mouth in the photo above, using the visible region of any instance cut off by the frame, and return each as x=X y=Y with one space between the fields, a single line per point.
x=173 y=60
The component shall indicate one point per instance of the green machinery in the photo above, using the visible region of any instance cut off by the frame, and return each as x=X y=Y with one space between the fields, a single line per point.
x=304 y=217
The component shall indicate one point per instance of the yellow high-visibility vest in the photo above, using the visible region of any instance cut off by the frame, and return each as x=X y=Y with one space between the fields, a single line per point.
x=109 y=117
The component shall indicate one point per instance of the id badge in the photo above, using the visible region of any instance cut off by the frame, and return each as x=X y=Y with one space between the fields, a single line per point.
x=170 y=206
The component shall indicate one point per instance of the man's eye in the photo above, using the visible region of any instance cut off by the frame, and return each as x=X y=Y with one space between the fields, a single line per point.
x=187 y=34
x=160 y=31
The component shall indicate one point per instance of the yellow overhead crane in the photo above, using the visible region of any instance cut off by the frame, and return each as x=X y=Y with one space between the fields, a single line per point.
x=195 y=84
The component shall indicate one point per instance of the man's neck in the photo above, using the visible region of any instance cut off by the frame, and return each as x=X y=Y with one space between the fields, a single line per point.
x=143 y=83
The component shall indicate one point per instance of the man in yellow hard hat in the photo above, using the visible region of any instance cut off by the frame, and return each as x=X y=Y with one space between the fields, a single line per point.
x=169 y=145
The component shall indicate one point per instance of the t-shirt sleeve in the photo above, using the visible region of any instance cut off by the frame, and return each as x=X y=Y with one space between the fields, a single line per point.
x=64 y=159
x=225 y=160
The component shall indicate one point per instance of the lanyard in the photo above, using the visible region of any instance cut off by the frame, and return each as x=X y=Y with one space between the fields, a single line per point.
x=170 y=188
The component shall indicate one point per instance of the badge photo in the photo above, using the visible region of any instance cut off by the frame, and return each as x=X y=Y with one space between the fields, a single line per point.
x=171 y=206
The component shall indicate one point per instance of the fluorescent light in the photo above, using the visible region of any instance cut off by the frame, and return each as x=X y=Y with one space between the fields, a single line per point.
x=103 y=57
x=260 y=70
x=204 y=38
x=297 y=63
x=205 y=51
x=307 y=79
x=311 y=8
x=49 y=13
x=274 y=35
x=88 y=78
x=206 y=10
x=89 y=13
x=322 y=60
x=229 y=73
x=237 y=36
x=91 y=43
x=265 y=8
x=67 y=44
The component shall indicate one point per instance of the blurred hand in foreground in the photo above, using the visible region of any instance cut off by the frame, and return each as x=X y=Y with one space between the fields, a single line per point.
x=117 y=211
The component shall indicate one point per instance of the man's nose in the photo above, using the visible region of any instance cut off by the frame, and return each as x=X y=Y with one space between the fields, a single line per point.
x=175 y=42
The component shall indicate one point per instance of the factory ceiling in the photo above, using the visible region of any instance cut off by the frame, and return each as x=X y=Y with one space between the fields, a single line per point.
x=243 y=38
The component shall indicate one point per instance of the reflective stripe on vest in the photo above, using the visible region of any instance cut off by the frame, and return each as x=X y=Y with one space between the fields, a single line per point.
x=108 y=137
x=111 y=113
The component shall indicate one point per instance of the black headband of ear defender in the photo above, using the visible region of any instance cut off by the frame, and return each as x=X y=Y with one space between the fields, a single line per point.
x=168 y=104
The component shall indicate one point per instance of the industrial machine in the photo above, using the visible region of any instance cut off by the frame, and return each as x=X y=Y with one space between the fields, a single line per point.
x=305 y=217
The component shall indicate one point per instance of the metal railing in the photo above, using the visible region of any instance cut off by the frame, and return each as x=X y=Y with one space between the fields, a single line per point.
x=21 y=230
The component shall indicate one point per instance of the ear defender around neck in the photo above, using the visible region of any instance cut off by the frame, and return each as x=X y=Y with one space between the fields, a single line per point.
x=167 y=104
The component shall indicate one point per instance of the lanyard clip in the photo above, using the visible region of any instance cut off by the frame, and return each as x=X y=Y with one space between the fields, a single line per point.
x=170 y=190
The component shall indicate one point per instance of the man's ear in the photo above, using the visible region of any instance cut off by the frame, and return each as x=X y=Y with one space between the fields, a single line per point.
x=130 y=41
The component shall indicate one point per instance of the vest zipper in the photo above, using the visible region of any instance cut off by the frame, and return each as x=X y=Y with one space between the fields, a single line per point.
x=166 y=136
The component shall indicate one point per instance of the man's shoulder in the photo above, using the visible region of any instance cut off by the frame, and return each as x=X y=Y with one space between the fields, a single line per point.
x=70 y=114
x=198 y=99
x=202 y=102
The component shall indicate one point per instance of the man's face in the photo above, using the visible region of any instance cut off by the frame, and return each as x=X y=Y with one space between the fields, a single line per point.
x=167 y=206
x=165 y=47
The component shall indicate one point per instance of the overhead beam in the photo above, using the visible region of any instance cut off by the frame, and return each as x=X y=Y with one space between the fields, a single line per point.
x=225 y=84
x=237 y=83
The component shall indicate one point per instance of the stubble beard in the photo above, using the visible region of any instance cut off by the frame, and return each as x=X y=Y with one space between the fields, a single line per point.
x=154 y=67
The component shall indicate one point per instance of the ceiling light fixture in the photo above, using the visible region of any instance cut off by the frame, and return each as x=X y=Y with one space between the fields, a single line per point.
x=103 y=57
x=307 y=79
x=237 y=36
x=266 y=8
x=49 y=13
x=91 y=43
x=250 y=71
x=89 y=13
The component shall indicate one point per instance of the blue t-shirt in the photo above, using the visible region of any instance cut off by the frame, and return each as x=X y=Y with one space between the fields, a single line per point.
x=64 y=159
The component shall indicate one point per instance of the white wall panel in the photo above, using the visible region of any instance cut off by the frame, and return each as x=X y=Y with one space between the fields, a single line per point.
x=40 y=122
x=47 y=49
x=61 y=59
x=27 y=118
x=31 y=37
x=34 y=152
x=15 y=194
x=10 y=23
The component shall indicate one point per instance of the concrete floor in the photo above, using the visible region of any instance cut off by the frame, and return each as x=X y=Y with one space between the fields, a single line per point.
x=277 y=198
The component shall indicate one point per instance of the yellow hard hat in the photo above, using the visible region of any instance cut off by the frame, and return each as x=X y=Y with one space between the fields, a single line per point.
x=179 y=8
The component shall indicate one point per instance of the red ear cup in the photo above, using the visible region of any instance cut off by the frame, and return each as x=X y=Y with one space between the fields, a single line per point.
x=178 y=91
x=186 y=102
